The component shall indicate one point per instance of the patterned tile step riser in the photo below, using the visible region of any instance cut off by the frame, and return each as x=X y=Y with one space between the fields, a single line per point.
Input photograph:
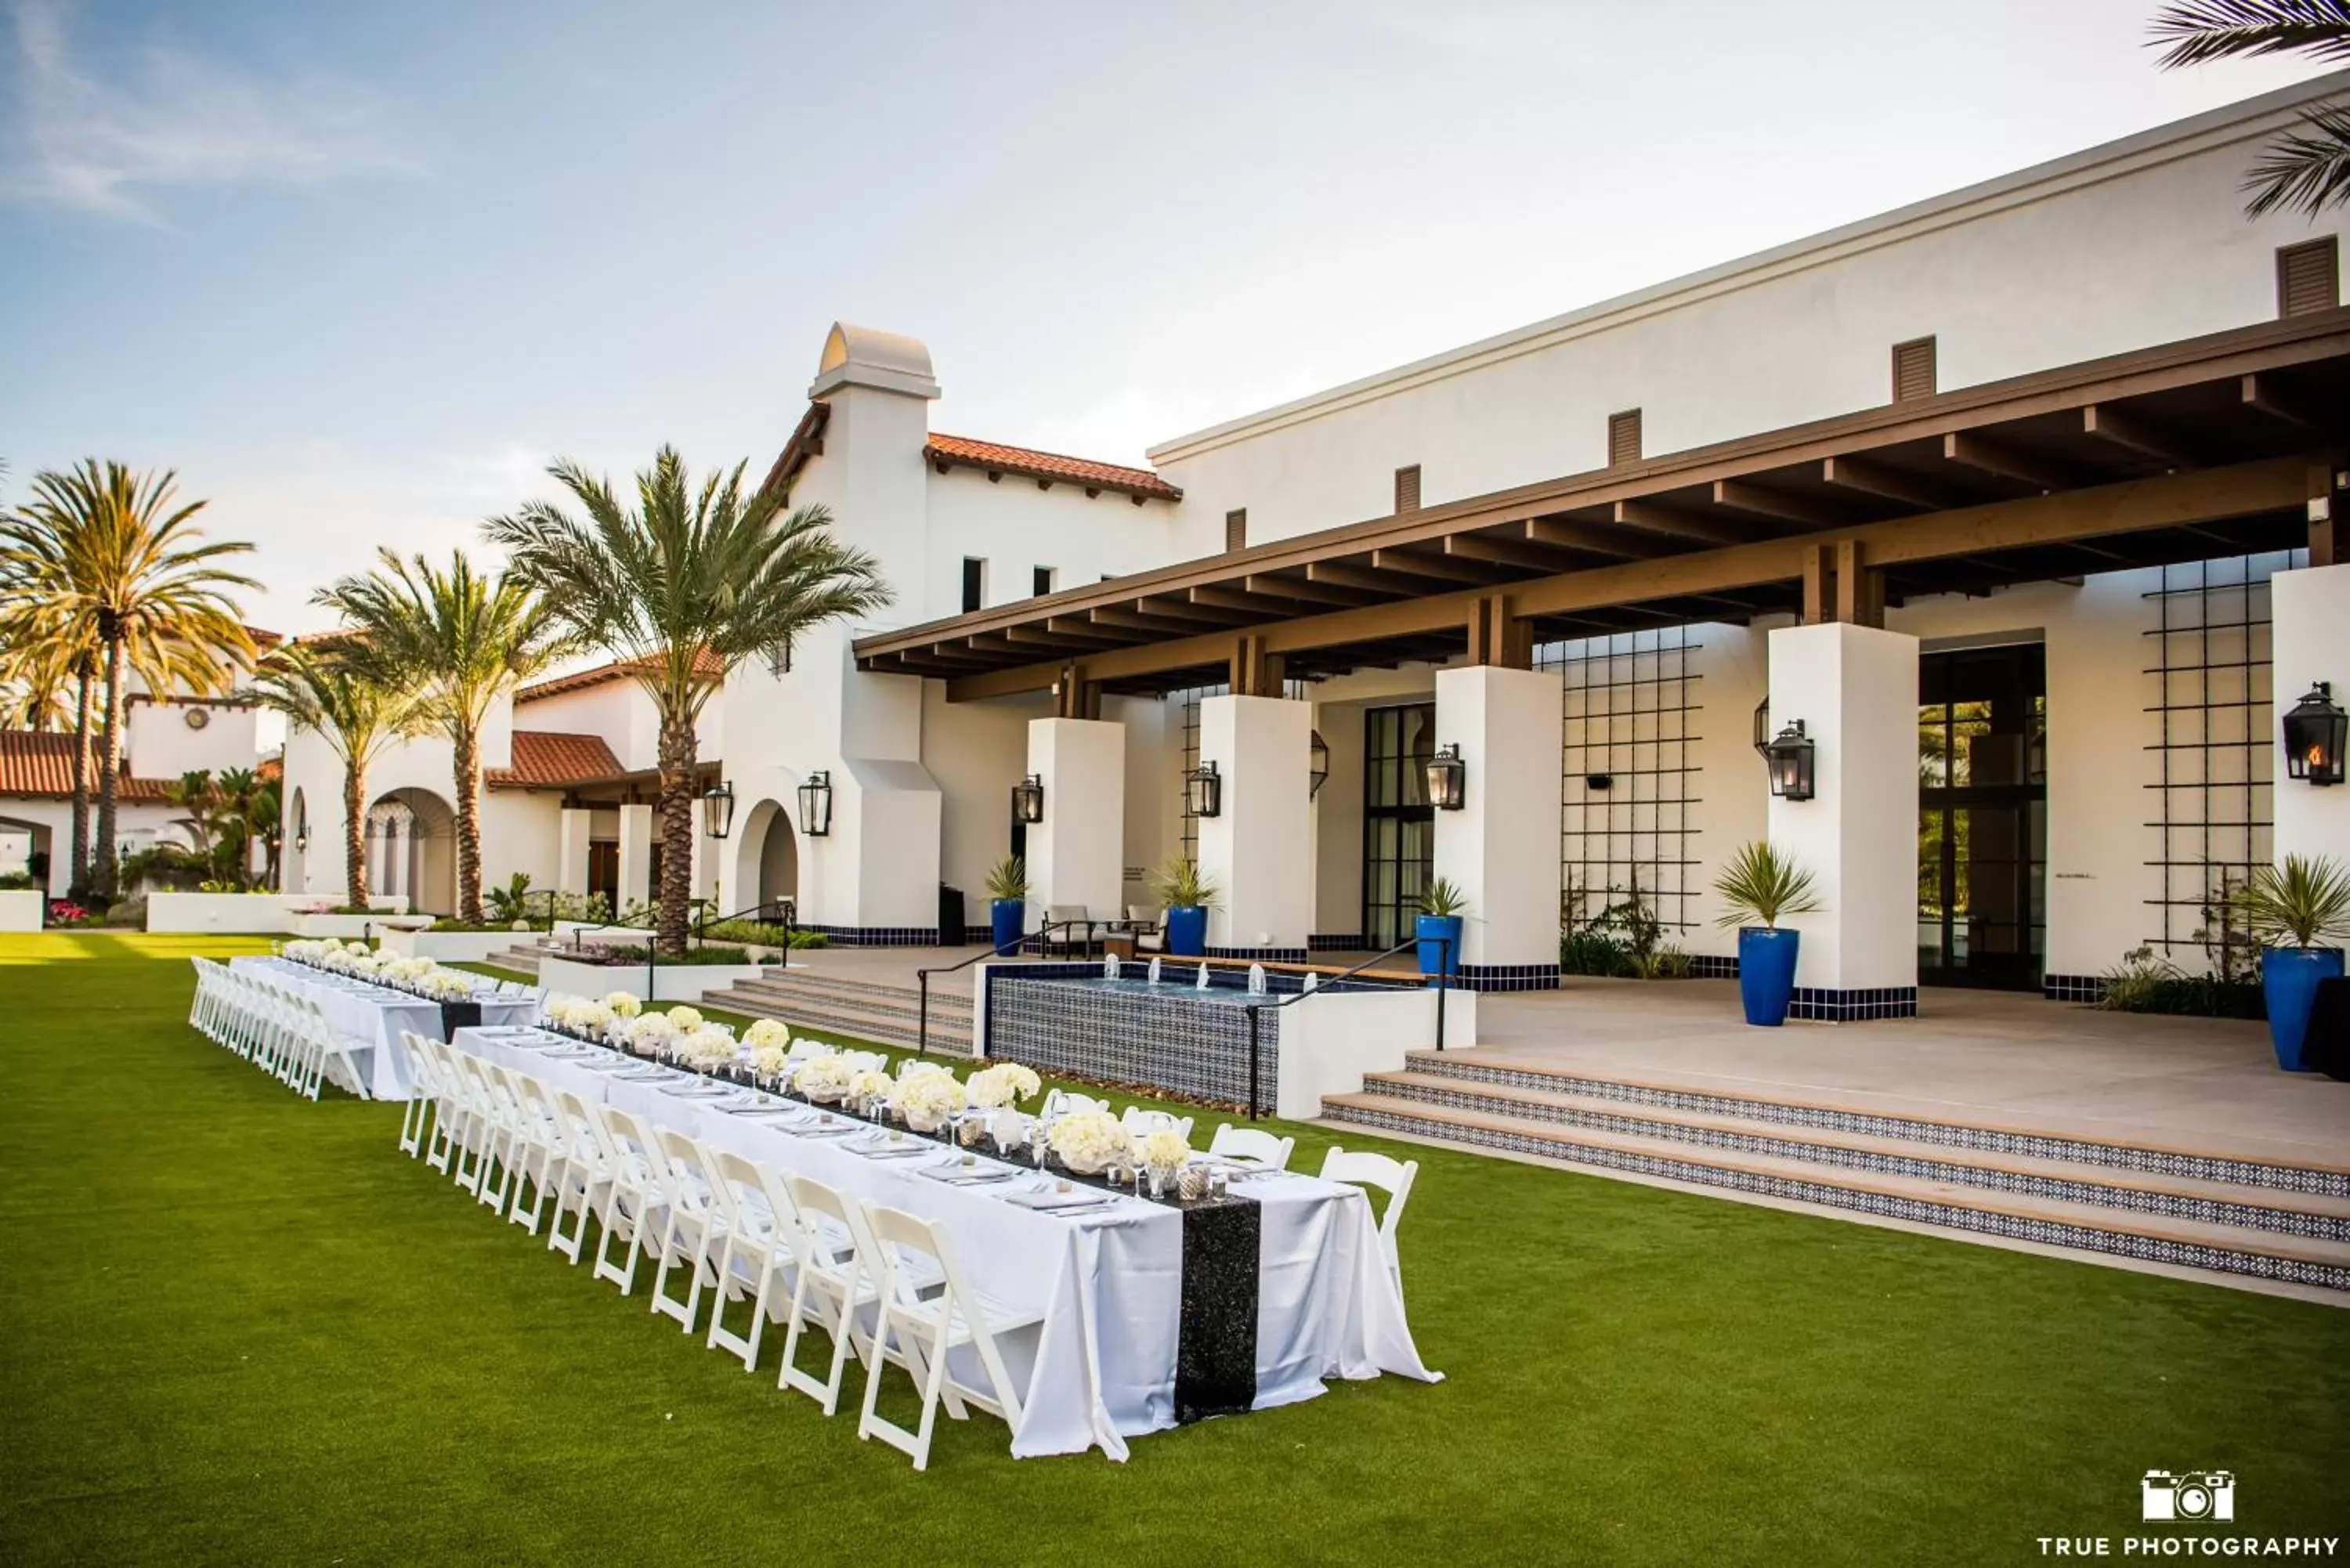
x=953 y=1039
x=907 y=1010
x=2176 y=1206
x=1917 y=1211
x=1948 y=1135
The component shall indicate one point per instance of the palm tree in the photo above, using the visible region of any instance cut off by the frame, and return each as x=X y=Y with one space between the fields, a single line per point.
x=2304 y=170
x=683 y=588
x=103 y=561
x=323 y=686
x=460 y=640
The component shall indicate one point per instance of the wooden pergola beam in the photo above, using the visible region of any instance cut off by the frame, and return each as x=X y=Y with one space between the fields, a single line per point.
x=1503 y=552
x=1567 y=534
x=1445 y=570
x=2127 y=431
x=1992 y=457
x=2263 y=394
x=1650 y=518
x=1740 y=496
x=1885 y=483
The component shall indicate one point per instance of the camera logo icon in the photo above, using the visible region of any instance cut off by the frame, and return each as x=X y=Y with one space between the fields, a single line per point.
x=2191 y=1496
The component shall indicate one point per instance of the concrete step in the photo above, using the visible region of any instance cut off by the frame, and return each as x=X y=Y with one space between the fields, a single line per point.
x=1951 y=1133
x=1919 y=1200
x=520 y=959
x=2320 y=1217
x=813 y=983
x=951 y=1034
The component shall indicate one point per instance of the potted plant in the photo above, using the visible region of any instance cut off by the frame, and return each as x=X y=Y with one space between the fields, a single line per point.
x=1438 y=926
x=2290 y=910
x=1762 y=883
x=1188 y=896
x=1007 y=911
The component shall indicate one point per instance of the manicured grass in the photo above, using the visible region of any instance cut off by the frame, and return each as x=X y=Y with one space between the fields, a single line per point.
x=236 y=1326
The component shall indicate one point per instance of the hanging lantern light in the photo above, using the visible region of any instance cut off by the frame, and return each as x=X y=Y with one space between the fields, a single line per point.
x=1317 y=764
x=1028 y=799
x=718 y=809
x=1203 y=790
x=2313 y=736
x=816 y=805
x=1448 y=778
x=1789 y=756
x=1762 y=728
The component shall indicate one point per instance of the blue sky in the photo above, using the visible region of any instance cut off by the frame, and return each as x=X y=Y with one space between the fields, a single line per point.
x=359 y=271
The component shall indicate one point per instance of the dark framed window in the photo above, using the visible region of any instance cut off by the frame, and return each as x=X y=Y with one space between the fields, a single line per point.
x=1043 y=581
x=1982 y=816
x=974 y=583
x=1399 y=825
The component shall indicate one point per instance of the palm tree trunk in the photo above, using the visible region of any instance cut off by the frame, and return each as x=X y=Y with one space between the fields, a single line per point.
x=78 y=881
x=109 y=777
x=677 y=746
x=469 y=825
x=355 y=877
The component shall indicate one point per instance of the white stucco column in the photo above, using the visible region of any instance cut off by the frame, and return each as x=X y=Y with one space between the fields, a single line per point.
x=1256 y=851
x=636 y=857
x=571 y=852
x=2309 y=640
x=1502 y=846
x=1855 y=690
x=1076 y=855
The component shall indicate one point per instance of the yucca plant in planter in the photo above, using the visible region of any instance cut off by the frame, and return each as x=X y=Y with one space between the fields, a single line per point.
x=1189 y=896
x=2290 y=910
x=1007 y=909
x=1442 y=906
x=1763 y=883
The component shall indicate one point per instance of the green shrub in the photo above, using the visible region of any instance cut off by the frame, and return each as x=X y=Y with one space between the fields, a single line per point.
x=764 y=934
x=1593 y=951
x=616 y=954
x=2142 y=983
x=18 y=882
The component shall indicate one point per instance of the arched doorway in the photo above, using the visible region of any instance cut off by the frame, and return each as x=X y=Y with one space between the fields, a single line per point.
x=767 y=859
x=293 y=851
x=412 y=849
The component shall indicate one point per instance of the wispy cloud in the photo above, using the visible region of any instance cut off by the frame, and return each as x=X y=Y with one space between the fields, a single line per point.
x=110 y=141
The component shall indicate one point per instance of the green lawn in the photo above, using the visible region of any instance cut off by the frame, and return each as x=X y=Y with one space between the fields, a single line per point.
x=239 y=1327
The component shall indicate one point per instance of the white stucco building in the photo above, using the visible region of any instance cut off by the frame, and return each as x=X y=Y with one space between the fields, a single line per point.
x=2021 y=499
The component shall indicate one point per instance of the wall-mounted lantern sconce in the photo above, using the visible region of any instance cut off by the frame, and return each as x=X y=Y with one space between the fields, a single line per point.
x=2313 y=736
x=1203 y=790
x=1317 y=764
x=1028 y=799
x=1448 y=778
x=302 y=842
x=718 y=809
x=1789 y=756
x=816 y=805
x=1762 y=728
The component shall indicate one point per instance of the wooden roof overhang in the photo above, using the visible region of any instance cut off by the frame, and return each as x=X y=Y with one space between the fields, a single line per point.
x=2211 y=446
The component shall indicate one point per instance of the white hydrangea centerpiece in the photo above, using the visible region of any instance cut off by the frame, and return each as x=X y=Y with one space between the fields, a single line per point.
x=710 y=1047
x=871 y=1084
x=686 y=1019
x=622 y=1003
x=927 y=1099
x=1166 y=1150
x=652 y=1031
x=826 y=1078
x=1087 y=1141
x=1004 y=1084
x=764 y=1031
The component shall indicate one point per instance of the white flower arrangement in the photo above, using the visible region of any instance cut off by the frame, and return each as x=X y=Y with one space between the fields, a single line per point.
x=767 y=1031
x=871 y=1084
x=590 y=1017
x=825 y=1077
x=622 y=1004
x=770 y=1057
x=447 y=985
x=926 y=1099
x=652 y=1031
x=1088 y=1140
x=1166 y=1150
x=709 y=1047
x=1004 y=1084
x=686 y=1019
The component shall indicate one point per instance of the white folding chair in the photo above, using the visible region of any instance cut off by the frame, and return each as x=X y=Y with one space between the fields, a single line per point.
x=452 y=1107
x=426 y=1092
x=1393 y=1177
x=484 y=1126
x=630 y=1199
x=757 y=1251
x=1068 y=1101
x=585 y=1174
x=1140 y=1124
x=693 y=1222
x=833 y=1283
x=922 y=1334
x=541 y=1139
x=1252 y=1146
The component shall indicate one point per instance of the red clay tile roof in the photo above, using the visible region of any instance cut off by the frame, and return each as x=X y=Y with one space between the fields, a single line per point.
x=34 y=763
x=950 y=451
x=544 y=759
x=705 y=664
x=263 y=638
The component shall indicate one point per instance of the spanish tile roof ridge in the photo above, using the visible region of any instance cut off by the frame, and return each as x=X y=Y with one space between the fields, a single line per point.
x=39 y=763
x=543 y=759
x=972 y=452
x=705 y=664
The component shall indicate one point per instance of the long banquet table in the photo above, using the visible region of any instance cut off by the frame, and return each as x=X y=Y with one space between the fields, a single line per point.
x=1100 y=1367
x=372 y=1016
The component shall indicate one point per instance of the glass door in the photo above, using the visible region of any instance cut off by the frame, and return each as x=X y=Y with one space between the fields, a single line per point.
x=1399 y=825
x=1982 y=816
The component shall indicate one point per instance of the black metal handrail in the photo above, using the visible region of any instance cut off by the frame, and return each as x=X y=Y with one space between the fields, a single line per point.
x=1443 y=976
x=790 y=921
x=922 y=976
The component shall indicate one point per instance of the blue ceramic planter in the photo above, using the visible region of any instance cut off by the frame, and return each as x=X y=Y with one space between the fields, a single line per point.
x=1187 y=930
x=1766 y=973
x=1439 y=943
x=2289 y=978
x=1004 y=919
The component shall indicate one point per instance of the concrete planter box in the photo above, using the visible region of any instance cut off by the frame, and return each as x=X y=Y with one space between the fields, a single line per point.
x=674 y=982
x=252 y=914
x=452 y=947
x=20 y=909
x=347 y=927
x=623 y=934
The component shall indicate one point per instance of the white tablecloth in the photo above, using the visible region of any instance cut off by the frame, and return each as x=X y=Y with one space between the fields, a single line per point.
x=370 y=1017
x=1100 y=1367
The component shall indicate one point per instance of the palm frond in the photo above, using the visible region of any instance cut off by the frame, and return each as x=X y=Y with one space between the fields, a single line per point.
x=2305 y=170
x=2199 y=31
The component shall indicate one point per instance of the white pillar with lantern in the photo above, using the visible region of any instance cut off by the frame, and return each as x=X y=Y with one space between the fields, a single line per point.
x=1073 y=804
x=1843 y=804
x=636 y=868
x=2309 y=613
x=1257 y=848
x=1497 y=817
x=714 y=821
x=573 y=834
